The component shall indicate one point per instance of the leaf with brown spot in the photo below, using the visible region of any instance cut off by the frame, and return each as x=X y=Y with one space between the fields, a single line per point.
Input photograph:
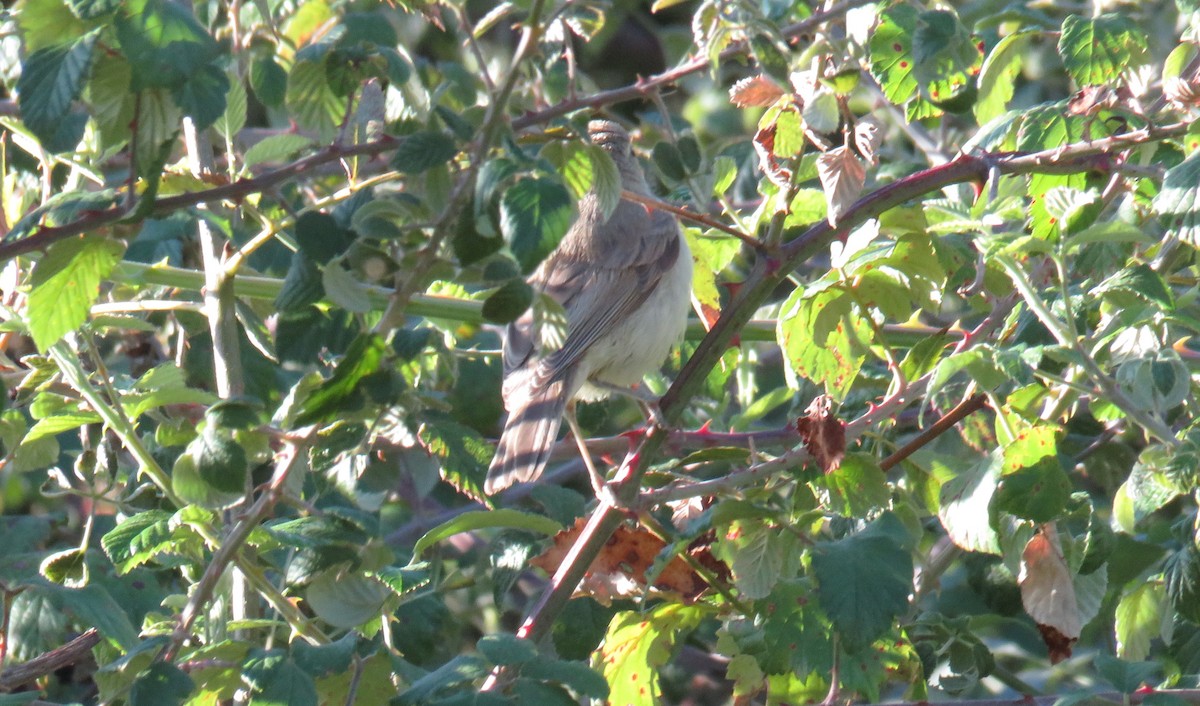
x=824 y=435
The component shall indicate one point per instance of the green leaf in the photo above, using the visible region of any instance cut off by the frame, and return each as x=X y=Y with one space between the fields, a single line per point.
x=364 y=357
x=462 y=454
x=998 y=75
x=863 y=580
x=1178 y=203
x=320 y=236
x=220 y=460
x=136 y=539
x=824 y=337
x=345 y=599
x=93 y=606
x=422 y=151
x=233 y=119
x=1181 y=574
x=202 y=96
x=111 y=101
x=344 y=289
x=487 y=519
x=857 y=486
x=57 y=423
x=321 y=660
x=269 y=81
x=965 y=505
x=276 y=148
x=796 y=635
x=578 y=676
x=191 y=488
x=1127 y=676
x=891 y=48
x=922 y=357
x=669 y=161
x=168 y=48
x=946 y=60
x=284 y=684
x=459 y=670
x=574 y=164
x=508 y=302
x=1133 y=285
x=1045 y=127
x=311 y=101
x=534 y=216
x=158 y=121
x=66 y=568
x=1033 y=484
x=637 y=645
x=48 y=23
x=92 y=9
x=51 y=80
x=162 y=684
x=1095 y=51
x=760 y=554
x=506 y=649
x=65 y=283
x=301 y=286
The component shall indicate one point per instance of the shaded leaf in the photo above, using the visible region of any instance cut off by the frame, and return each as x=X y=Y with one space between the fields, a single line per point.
x=863 y=580
x=51 y=80
x=421 y=151
x=534 y=216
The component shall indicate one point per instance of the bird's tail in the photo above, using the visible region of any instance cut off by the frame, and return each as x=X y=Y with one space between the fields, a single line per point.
x=528 y=437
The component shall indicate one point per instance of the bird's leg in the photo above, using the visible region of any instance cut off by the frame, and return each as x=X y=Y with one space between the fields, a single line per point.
x=593 y=475
x=646 y=400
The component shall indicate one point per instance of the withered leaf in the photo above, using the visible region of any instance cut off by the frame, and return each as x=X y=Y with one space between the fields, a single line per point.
x=842 y=175
x=1048 y=592
x=619 y=571
x=823 y=434
x=758 y=91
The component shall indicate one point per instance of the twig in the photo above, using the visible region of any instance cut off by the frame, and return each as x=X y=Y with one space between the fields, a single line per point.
x=647 y=86
x=954 y=416
x=229 y=548
x=1153 y=426
x=49 y=662
x=660 y=205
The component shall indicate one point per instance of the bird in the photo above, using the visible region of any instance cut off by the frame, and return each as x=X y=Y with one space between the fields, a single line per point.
x=625 y=286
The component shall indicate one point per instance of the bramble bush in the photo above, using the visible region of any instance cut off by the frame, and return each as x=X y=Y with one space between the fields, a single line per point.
x=931 y=436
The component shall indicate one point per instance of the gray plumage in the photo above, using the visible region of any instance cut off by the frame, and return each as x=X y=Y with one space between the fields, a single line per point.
x=624 y=284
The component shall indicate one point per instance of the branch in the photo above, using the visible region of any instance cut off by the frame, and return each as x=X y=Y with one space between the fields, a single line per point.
x=648 y=86
x=49 y=662
x=966 y=407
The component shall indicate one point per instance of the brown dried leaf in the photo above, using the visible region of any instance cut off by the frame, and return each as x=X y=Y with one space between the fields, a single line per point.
x=755 y=92
x=867 y=137
x=775 y=168
x=1089 y=99
x=1048 y=592
x=842 y=176
x=619 y=571
x=823 y=434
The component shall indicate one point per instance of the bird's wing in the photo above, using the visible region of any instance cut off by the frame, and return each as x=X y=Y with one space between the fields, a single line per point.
x=601 y=292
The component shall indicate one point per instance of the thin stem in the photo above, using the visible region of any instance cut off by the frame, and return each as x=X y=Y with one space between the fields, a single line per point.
x=232 y=543
x=74 y=375
x=1153 y=426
